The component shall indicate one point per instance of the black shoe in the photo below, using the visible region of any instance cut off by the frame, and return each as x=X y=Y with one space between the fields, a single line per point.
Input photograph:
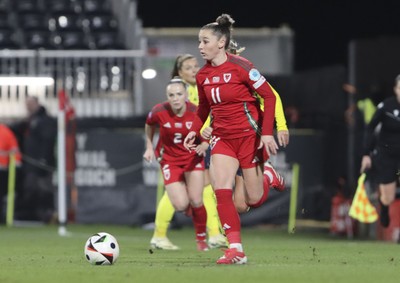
x=384 y=216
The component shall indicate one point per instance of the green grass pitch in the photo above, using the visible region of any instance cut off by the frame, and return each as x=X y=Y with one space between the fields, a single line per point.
x=38 y=254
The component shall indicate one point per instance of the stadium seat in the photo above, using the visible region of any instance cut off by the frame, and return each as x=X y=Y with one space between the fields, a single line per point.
x=4 y=5
x=4 y=20
x=107 y=40
x=33 y=21
x=63 y=6
x=96 y=6
x=101 y=23
x=66 y=22
x=71 y=40
x=21 y=6
x=38 y=39
x=8 y=39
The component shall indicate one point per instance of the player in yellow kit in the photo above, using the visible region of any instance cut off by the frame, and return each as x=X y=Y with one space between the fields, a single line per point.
x=282 y=135
x=186 y=67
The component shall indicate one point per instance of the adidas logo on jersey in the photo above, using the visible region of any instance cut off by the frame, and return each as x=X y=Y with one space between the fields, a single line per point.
x=167 y=125
x=207 y=81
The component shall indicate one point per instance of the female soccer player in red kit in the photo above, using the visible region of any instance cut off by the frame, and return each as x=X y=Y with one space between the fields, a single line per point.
x=226 y=84
x=183 y=173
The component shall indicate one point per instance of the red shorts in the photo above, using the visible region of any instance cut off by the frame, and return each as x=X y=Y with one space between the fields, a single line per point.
x=243 y=149
x=175 y=173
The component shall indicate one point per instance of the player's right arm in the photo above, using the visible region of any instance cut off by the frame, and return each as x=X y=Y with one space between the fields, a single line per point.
x=149 y=154
x=152 y=121
x=203 y=109
x=369 y=137
x=369 y=134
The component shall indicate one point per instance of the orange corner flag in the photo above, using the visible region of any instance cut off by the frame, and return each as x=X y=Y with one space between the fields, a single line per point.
x=361 y=208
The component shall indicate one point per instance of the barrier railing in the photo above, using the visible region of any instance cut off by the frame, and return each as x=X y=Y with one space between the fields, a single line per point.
x=101 y=83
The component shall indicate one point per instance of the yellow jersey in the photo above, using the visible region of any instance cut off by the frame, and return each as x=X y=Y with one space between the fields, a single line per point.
x=280 y=119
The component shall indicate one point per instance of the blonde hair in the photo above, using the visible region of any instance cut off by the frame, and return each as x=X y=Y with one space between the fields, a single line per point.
x=180 y=59
x=234 y=48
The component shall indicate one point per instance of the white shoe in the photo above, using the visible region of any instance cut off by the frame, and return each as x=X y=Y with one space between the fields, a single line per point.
x=163 y=244
x=217 y=241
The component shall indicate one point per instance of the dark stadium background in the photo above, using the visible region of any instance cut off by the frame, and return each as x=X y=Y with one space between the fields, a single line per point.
x=322 y=29
x=323 y=32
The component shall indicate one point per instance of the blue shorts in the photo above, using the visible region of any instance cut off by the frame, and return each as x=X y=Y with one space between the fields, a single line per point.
x=207 y=159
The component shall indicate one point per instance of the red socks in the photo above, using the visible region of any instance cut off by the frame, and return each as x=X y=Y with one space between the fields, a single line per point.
x=199 y=222
x=228 y=215
x=265 y=193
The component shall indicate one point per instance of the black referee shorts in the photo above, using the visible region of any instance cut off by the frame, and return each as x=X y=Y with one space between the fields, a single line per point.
x=386 y=164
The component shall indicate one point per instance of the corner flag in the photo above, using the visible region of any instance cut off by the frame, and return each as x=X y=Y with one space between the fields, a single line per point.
x=361 y=208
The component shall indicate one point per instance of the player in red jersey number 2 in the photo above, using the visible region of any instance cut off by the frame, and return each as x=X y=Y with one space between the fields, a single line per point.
x=183 y=173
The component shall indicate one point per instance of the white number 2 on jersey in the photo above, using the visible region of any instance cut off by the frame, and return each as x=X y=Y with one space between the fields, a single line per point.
x=178 y=138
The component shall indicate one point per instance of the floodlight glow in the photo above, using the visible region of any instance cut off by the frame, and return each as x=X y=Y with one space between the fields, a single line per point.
x=149 y=74
x=26 y=81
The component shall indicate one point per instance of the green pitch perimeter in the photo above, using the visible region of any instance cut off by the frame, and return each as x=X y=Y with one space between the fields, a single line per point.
x=38 y=254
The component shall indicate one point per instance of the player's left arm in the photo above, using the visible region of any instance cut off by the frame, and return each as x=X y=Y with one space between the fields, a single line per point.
x=281 y=126
x=259 y=84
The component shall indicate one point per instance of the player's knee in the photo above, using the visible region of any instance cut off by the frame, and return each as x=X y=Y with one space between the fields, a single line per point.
x=388 y=193
x=241 y=207
x=196 y=203
x=387 y=199
x=181 y=206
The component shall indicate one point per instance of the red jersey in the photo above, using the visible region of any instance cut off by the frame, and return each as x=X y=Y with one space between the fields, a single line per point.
x=227 y=92
x=8 y=143
x=173 y=130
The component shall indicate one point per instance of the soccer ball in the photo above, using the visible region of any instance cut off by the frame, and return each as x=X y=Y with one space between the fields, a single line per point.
x=102 y=249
